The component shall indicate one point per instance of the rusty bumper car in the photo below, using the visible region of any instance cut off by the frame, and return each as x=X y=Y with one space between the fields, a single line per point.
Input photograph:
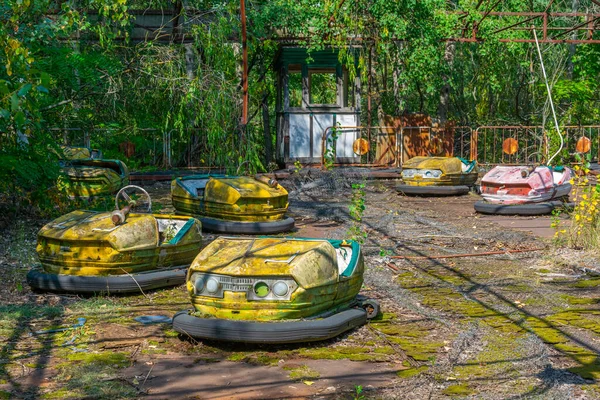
x=275 y=290
x=85 y=174
x=438 y=176
x=233 y=204
x=124 y=251
x=523 y=190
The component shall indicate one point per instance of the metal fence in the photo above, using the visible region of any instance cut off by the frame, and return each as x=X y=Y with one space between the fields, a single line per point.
x=146 y=147
x=390 y=146
x=491 y=145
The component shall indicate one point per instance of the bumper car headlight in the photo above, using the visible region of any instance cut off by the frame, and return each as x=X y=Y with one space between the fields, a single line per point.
x=408 y=173
x=198 y=282
x=432 y=173
x=212 y=285
x=280 y=289
x=266 y=288
x=261 y=289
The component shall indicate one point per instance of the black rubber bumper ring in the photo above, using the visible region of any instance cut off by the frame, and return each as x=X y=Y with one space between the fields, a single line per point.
x=110 y=284
x=547 y=207
x=433 y=190
x=268 y=332
x=251 y=228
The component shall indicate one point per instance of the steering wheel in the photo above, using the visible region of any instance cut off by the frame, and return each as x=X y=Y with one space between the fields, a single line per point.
x=133 y=196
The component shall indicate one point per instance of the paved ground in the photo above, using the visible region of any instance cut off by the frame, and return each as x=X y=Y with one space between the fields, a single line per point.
x=501 y=326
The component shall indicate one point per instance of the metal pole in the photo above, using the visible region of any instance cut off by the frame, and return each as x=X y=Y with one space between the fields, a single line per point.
x=245 y=66
x=537 y=45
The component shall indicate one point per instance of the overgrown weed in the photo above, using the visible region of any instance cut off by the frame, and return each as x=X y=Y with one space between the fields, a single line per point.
x=356 y=209
x=584 y=230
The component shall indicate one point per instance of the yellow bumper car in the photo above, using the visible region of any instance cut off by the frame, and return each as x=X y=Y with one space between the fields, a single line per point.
x=438 y=176
x=233 y=204
x=124 y=251
x=85 y=174
x=275 y=290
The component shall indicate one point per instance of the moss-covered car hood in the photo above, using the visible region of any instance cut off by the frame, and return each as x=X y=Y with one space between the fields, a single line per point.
x=448 y=165
x=77 y=228
x=229 y=189
x=310 y=262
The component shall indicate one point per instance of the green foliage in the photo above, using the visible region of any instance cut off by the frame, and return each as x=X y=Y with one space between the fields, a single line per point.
x=358 y=390
x=79 y=69
x=297 y=167
x=356 y=209
x=329 y=157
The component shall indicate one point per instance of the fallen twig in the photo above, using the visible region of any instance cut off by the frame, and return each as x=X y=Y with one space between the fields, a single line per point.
x=393 y=267
x=136 y=282
x=146 y=378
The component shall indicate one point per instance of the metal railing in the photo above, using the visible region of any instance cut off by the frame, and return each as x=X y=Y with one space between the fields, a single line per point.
x=514 y=144
x=391 y=147
x=158 y=148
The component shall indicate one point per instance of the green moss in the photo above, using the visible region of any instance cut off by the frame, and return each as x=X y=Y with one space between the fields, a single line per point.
x=503 y=324
x=459 y=389
x=576 y=352
x=587 y=283
x=550 y=335
x=518 y=288
x=237 y=357
x=588 y=371
x=576 y=318
x=255 y=358
x=575 y=300
x=390 y=329
x=116 y=359
x=302 y=372
x=61 y=394
x=410 y=372
x=154 y=351
x=5 y=395
x=352 y=353
x=82 y=376
x=385 y=350
x=170 y=333
x=384 y=316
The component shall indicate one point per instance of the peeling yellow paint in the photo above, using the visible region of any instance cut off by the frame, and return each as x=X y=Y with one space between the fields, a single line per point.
x=86 y=178
x=311 y=263
x=451 y=168
x=238 y=198
x=88 y=243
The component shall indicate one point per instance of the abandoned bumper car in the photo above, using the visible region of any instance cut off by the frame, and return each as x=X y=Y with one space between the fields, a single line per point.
x=124 y=251
x=522 y=190
x=233 y=204
x=438 y=176
x=85 y=174
x=275 y=290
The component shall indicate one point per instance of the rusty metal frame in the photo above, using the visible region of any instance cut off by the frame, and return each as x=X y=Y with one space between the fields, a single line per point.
x=399 y=145
x=343 y=129
x=588 y=27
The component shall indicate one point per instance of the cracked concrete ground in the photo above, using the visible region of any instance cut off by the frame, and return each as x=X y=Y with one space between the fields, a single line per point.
x=520 y=325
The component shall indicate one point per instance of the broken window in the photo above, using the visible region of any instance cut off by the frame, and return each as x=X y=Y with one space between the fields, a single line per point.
x=323 y=87
x=295 y=85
